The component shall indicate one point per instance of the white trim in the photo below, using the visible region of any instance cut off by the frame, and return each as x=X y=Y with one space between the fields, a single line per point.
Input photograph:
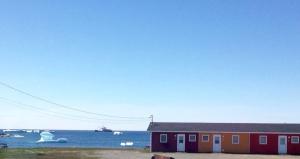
x=294 y=137
x=192 y=140
x=260 y=136
x=238 y=141
x=160 y=135
x=227 y=132
x=203 y=136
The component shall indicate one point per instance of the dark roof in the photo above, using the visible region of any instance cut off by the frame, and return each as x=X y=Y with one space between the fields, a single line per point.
x=224 y=127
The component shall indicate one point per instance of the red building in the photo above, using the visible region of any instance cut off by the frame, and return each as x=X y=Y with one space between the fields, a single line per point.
x=225 y=137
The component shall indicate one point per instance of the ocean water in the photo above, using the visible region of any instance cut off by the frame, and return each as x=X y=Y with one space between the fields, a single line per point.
x=81 y=139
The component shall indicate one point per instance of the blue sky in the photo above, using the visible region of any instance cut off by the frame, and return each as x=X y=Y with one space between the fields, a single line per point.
x=193 y=61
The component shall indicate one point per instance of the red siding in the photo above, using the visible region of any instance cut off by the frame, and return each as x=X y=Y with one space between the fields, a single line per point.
x=293 y=149
x=171 y=145
x=270 y=148
x=191 y=146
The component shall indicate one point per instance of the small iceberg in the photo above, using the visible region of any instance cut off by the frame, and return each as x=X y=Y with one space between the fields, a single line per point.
x=118 y=133
x=36 y=131
x=127 y=143
x=47 y=137
x=13 y=131
x=29 y=131
x=17 y=136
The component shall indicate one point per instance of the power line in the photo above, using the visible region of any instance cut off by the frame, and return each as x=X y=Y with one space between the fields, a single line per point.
x=63 y=114
x=65 y=106
x=58 y=114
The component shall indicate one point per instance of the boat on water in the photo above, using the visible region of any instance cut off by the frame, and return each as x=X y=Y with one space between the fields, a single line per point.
x=103 y=129
x=47 y=137
x=126 y=144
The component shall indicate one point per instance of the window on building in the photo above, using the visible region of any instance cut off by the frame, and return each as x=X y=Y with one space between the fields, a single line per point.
x=163 y=138
x=235 y=139
x=192 y=138
x=263 y=140
x=205 y=138
x=295 y=140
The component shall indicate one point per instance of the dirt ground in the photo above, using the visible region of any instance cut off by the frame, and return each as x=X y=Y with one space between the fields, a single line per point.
x=73 y=153
x=113 y=154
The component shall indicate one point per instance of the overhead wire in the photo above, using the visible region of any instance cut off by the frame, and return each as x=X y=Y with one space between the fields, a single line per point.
x=62 y=116
x=65 y=106
x=43 y=110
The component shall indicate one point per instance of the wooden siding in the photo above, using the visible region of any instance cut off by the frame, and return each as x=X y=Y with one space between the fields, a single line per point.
x=270 y=148
x=191 y=146
x=293 y=149
x=205 y=146
x=248 y=143
x=171 y=145
x=242 y=147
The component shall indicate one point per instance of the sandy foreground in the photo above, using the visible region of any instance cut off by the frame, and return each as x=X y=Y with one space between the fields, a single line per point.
x=120 y=154
x=138 y=155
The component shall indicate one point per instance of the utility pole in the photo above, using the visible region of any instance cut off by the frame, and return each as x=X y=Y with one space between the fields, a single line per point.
x=151 y=117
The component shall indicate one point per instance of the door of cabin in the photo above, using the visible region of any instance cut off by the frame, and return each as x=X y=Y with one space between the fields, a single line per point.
x=180 y=143
x=282 y=144
x=217 y=143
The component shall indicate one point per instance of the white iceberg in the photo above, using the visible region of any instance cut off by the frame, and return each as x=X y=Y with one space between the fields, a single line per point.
x=47 y=137
x=118 y=133
x=36 y=131
x=17 y=136
x=127 y=143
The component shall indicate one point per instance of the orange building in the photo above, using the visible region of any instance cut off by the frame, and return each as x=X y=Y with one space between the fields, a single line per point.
x=229 y=142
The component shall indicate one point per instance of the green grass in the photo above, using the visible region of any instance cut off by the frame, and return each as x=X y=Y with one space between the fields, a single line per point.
x=55 y=153
x=48 y=153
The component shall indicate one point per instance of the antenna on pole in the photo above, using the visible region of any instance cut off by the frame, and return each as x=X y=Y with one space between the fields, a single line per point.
x=151 y=117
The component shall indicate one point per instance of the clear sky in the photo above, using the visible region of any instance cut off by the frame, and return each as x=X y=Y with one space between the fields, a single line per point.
x=187 y=61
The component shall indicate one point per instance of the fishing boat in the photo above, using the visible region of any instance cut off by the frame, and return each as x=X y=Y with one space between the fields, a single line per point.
x=103 y=129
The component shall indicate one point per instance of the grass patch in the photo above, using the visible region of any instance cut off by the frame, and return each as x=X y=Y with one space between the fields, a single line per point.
x=48 y=153
x=59 y=153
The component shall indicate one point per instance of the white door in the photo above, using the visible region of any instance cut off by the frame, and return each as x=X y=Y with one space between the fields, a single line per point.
x=181 y=143
x=217 y=143
x=282 y=144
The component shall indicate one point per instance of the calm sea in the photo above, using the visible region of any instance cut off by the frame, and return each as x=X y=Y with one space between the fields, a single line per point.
x=86 y=139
